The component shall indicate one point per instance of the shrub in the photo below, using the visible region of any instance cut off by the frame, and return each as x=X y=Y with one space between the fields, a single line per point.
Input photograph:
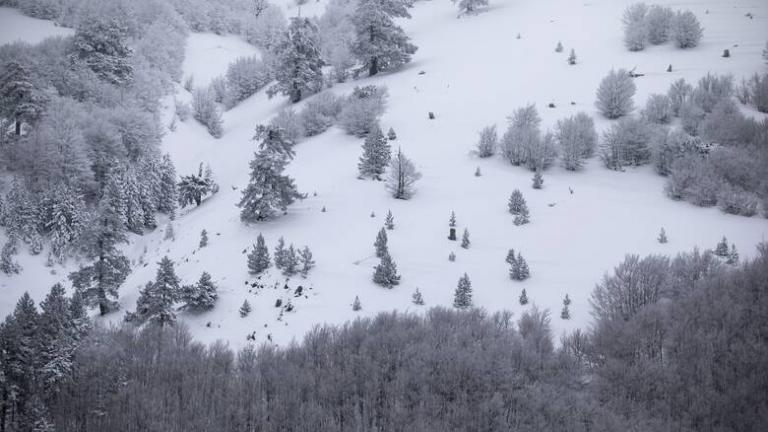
x=626 y=143
x=577 y=139
x=711 y=89
x=737 y=201
x=691 y=116
x=658 y=23
x=725 y=124
x=691 y=180
x=679 y=92
x=488 y=143
x=320 y=113
x=758 y=92
x=245 y=76
x=635 y=29
x=686 y=30
x=183 y=110
x=614 y=95
x=206 y=111
x=667 y=146
x=362 y=109
x=658 y=109
x=291 y=123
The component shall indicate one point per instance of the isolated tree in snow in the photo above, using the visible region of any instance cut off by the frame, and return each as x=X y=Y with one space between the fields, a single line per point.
x=566 y=312
x=522 y=136
x=523 y=216
x=194 y=187
x=380 y=44
x=19 y=102
x=202 y=296
x=356 y=305
x=101 y=43
x=391 y=135
x=659 y=24
x=280 y=253
x=389 y=221
x=452 y=256
x=417 y=298
x=721 y=249
x=376 y=154
x=523 y=298
x=245 y=309
x=385 y=273
x=269 y=190
x=559 y=47
x=290 y=261
x=306 y=261
x=686 y=30
x=299 y=66
x=519 y=269
x=488 y=143
x=614 y=95
x=516 y=202
x=462 y=297
x=452 y=219
x=203 y=238
x=402 y=177
x=258 y=258
x=380 y=245
x=572 y=57
x=662 y=236
x=157 y=298
x=538 y=180
x=465 y=239
x=470 y=6
x=635 y=29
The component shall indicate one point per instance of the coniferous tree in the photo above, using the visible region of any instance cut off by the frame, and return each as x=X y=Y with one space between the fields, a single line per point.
x=572 y=57
x=299 y=65
x=280 y=253
x=511 y=259
x=170 y=234
x=662 y=236
x=465 y=239
x=417 y=298
x=470 y=7
x=523 y=272
x=193 y=188
x=614 y=95
x=376 y=154
x=201 y=296
x=258 y=258
x=523 y=298
x=452 y=257
x=269 y=190
x=522 y=217
x=245 y=309
x=462 y=297
x=566 y=312
x=8 y=264
x=391 y=135
x=17 y=94
x=203 y=238
x=402 y=177
x=385 y=274
x=291 y=261
x=721 y=249
x=380 y=44
x=733 y=255
x=516 y=202
x=307 y=263
x=478 y=173
x=538 y=180
x=559 y=47
x=356 y=305
x=101 y=43
x=157 y=299
x=389 y=221
x=168 y=195
x=452 y=220
x=380 y=244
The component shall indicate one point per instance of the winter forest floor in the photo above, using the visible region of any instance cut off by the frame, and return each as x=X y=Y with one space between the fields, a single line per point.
x=476 y=73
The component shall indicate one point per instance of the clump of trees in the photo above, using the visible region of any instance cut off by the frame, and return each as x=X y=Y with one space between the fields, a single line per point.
x=657 y=25
x=614 y=95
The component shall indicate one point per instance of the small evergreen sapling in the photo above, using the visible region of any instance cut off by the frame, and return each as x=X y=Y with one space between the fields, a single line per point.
x=376 y=154
x=662 y=236
x=538 y=180
x=523 y=217
x=559 y=47
x=385 y=274
x=380 y=245
x=245 y=309
x=478 y=173
x=465 y=239
x=572 y=57
x=516 y=202
x=566 y=312
x=389 y=221
x=721 y=249
x=356 y=306
x=452 y=257
x=511 y=259
x=258 y=258
x=462 y=298
x=733 y=256
x=523 y=298
x=519 y=270
x=452 y=227
x=203 y=238
x=417 y=298
x=291 y=263
x=202 y=296
x=391 y=135
x=307 y=263
x=280 y=253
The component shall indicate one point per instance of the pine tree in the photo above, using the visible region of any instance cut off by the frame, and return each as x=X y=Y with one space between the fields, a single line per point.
x=733 y=255
x=559 y=47
x=452 y=220
x=8 y=264
x=163 y=293
x=523 y=217
x=462 y=298
x=523 y=298
x=402 y=177
x=470 y=7
x=721 y=249
x=17 y=94
x=307 y=263
x=203 y=238
x=516 y=202
x=245 y=309
x=356 y=306
x=465 y=239
x=523 y=272
x=280 y=253
x=385 y=274
x=389 y=221
x=417 y=298
x=380 y=245
x=511 y=259
x=376 y=154
x=662 y=236
x=452 y=257
x=380 y=44
x=167 y=199
x=299 y=64
x=538 y=180
x=269 y=190
x=572 y=57
x=193 y=188
x=291 y=262
x=101 y=43
x=258 y=258
x=566 y=313
x=201 y=296
x=391 y=135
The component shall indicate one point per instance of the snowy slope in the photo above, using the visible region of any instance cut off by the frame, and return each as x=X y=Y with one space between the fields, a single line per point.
x=208 y=55
x=476 y=73
x=14 y=26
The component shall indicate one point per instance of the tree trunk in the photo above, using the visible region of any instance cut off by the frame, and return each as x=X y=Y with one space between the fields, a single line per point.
x=18 y=126
x=374 y=66
x=452 y=234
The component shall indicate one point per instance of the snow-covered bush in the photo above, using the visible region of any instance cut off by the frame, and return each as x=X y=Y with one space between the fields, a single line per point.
x=577 y=139
x=337 y=35
x=691 y=180
x=320 y=113
x=614 y=95
x=669 y=145
x=725 y=124
x=183 y=110
x=219 y=89
x=679 y=92
x=658 y=109
x=206 y=112
x=734 y=200
x=542 y=154
x=691 y=116
x=686 y=30
x=522 y=135
x=291 y=123
x=488 y=143
x=758 y=92
x=711 y=89
x=245 y=76
x=658 y=23
x=470 y=6
x=626 y=143
x=362 y=109
x=635 y=29
x=267 y=29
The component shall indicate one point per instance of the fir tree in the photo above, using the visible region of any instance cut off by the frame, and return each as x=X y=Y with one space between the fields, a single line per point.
x=193 y=188
x=462 y=298
x=101 y=43
x=168 y=194
x=523 y=298
x=170 y=234
x=662 y=236
x=356 y=306
x=523 y=272
x=452 y=257
x=566 y=313
x=280 y=253
x=299 y=64
x=470 y=7
x=380 y=245
x=8 y=264
x=376 y=154
x=258 y=258
x=523 y=217
x=559 y=47
x=245 y=309
x=465 y=239
x=380 y=44
x=402 y=177
x=516 y=202
x=391 y=135
x=307 y=263
x=291 y=262
x=721 y=249
x=572 y=57
x=17 y=94
x=733 y=256
x=389 y=221
x=202 y=296
x=385 y=274
x=452 y=220
x=269 y=190
x=165 y=291
x=417 y=298
x=511 y=259
x=538 y=180
x=203 y=238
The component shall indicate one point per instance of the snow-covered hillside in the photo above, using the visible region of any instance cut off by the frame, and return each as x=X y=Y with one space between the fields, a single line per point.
x=476 y=72
x=17 y=27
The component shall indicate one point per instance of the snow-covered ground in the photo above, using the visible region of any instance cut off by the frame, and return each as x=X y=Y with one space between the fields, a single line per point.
x=208 y=55
x=14 y=26
x=476 y=73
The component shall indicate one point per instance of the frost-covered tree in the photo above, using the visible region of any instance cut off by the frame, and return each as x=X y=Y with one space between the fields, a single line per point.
x=203 y=238
x=299 y=66
x=356 y=305
x=662 y=238
x=402 y=177
x=156 y=300
x=538 y=180
x=376 y=154
x=658 y=23
x=417 y=298
x=194 y=187
x=380 y=44
x=679 y=92
x=559 y=48
x=721 y=249
x=733 y=256
x=361 y=110
x=488 y=143
x=614 y=95
x=565 y=313
x=206 y=112
x=523 y=216
x=17 y=94
x=572 y=57
x=320 y=113
x=465 y=243
x=520 y=270
x=658 y=109
x=280 y=253
x=523 y=299
x=290 y=264
x=385 y=273
x=101 y=43
x=577 y=140
x=686 y=30
x=306 y=261
x=470 y=6
x=258 y=258
x=167 y=198
x=626 y=143
x=516 y=202
x=522 y=135
x=245 y=76
x=511 y=258
x=391 y=135
x=269 y=190
x=635 y=26
x=389 y=221
x=462 y=297
x=245 y=309
x=8 y=264
x=380 y=245
x=201 y=296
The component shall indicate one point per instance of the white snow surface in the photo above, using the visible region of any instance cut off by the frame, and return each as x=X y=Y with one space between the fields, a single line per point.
x=476 y=73
x=208 y=55
x=14 y=26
